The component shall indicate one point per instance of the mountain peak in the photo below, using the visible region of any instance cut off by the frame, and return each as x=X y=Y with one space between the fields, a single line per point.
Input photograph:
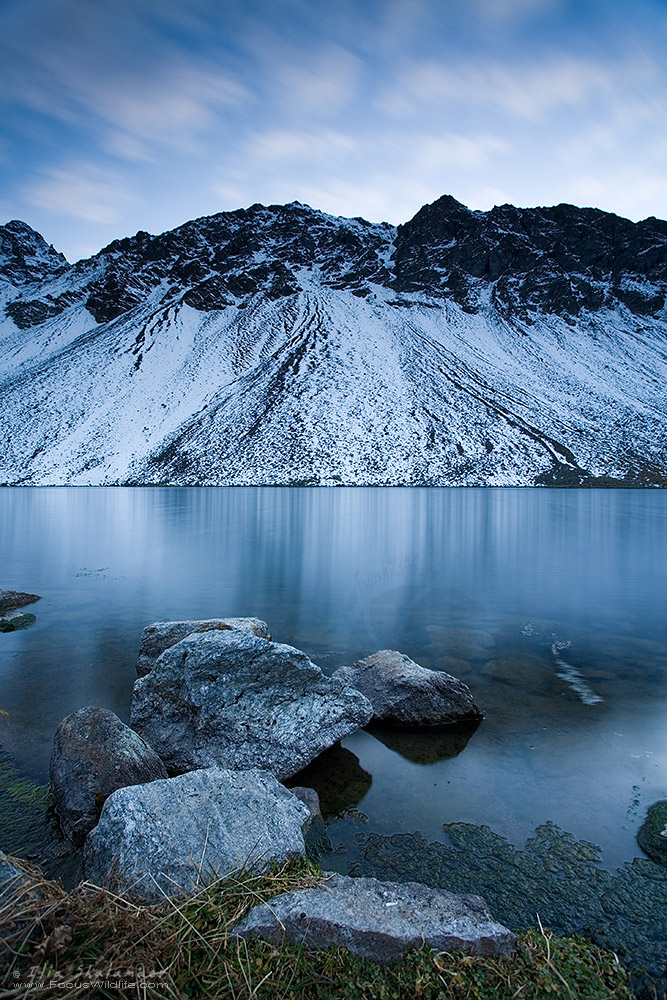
x=25 y=256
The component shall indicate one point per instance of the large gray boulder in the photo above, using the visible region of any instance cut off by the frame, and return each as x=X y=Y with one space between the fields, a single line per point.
x=380 y=920
x=231 y=699
x=94 y=753
x=159 y=636
x=172 y=836
x=403 y=693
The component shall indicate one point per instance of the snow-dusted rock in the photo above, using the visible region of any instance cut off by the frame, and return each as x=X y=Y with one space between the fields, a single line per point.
x=403 y=693
x=159 y=636
x=380 y=920
x=231 y=699
x=171 y=836
x=94 y=753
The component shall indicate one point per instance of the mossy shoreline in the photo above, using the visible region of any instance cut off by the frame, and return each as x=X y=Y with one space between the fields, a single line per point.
x=89 y=942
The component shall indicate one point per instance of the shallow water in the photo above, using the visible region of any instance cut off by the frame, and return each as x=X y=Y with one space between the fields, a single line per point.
x=550 y=604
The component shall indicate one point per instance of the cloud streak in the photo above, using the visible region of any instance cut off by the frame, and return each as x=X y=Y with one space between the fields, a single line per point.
x=141 y=114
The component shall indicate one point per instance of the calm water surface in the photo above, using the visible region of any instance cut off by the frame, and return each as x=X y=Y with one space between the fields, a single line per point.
x=550 y=604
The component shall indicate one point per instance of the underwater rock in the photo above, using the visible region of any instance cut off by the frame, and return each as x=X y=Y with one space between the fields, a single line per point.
x=462 y=643
x=12 y=623
x=554 y=877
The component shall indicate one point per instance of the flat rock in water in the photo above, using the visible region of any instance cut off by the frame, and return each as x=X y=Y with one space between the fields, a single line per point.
x=172 y=836
x=94 y=753
x=652 y=834
x=380 y=920
x=159 y=636
x=230 y=699
x=403 y=693
x=10 y=599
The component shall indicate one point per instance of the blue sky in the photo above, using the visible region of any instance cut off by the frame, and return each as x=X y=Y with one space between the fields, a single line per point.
x=142 y=114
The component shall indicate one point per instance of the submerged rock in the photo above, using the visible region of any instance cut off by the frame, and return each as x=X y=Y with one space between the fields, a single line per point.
x=169 y=837
x=12 y=623
x=231 y=699
x=94 y=753
x=403 y=693
x=555 y=877
x=652 y=834
x=380 y=920
x=159 y=636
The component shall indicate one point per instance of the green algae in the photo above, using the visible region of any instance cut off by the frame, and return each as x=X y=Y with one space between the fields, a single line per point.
x=555 y=879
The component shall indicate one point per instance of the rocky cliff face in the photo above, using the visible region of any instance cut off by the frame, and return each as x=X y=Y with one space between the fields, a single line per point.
x=281 y=345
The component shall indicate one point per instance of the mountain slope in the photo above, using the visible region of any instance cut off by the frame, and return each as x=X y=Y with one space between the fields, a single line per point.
x=281 y=345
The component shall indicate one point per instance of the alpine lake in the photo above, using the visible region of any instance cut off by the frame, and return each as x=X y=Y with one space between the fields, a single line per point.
x=549 y=603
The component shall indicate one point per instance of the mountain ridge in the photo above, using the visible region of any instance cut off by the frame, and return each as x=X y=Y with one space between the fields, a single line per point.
x=278 y=345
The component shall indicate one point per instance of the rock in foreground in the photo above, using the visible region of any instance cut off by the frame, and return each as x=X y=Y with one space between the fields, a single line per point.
x=380 y=920
x=94 y=753
x=169 y=837
x=159 y=636
x=403 y=693
x=231 y=699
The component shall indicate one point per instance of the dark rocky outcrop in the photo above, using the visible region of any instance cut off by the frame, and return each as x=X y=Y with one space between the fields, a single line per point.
x=652 y=834
x=403 y=693
x=10 y=599
x=380 y=920
x=558 y=260
x=169 y=837
x=26 y=257
x=94 y=753
x=10 y=619
x=159 y=636
x=232 y=699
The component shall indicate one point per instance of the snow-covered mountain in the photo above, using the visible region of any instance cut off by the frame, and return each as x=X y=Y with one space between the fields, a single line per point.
x=280 y=345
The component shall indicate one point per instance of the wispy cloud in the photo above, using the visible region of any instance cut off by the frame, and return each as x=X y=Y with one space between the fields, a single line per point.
x=80 y=190
x=531 y=89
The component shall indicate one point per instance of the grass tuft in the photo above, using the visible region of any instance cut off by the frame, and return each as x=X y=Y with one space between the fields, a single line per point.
x=182 y=949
